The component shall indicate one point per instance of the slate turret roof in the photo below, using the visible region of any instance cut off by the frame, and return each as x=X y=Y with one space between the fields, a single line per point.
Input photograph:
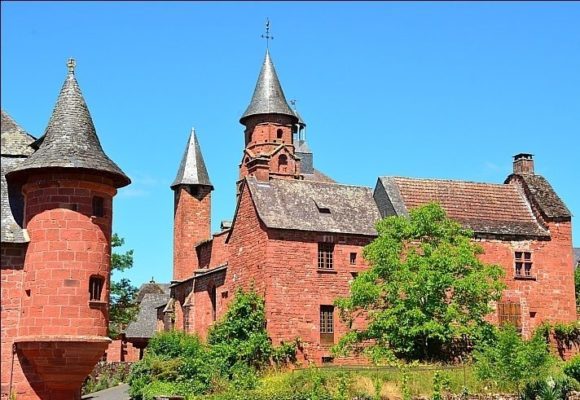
x=15 y=148
x=70 y=139
x=268 y=97
x=482 y=207
x=192 y=170
x=315 y=206
x=145 y=326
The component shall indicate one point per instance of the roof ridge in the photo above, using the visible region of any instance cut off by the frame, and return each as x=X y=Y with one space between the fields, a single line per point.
x=319 y=182
x=447 y=180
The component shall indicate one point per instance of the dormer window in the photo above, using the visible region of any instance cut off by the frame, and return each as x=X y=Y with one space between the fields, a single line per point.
x=322 y=208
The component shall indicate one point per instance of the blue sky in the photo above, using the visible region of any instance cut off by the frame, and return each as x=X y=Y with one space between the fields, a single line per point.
x=434 y=90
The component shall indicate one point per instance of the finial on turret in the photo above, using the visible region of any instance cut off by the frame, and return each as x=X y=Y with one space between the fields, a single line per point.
x=71 y=64
x=267 y=36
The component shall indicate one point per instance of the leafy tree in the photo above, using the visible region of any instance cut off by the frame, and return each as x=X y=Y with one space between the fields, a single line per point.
x=510 y=361
x=577 y=283
x=122 y=307
x=425 y=288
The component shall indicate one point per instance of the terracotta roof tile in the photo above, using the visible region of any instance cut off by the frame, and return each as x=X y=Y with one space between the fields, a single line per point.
x=482 y=207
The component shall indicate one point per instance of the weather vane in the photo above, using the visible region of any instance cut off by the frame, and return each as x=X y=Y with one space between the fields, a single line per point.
x=267 y=36
x=293 y=102
x=71 y=64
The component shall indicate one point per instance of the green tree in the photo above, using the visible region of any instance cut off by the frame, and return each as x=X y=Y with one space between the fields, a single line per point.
x=122 y=306
x=424 y=290
x=577 y=283
x=510 y=361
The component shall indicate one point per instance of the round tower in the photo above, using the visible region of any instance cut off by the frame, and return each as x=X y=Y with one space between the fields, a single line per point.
x=68 y=186
x=191 y=211
x=270 y=126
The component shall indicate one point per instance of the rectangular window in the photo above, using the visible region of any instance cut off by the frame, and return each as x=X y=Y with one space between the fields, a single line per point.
x=510 y=313
x=352 y=258
x=327 y=324
x=523 y=263
x=98 y=206
x=325 y=251
x=95 y=288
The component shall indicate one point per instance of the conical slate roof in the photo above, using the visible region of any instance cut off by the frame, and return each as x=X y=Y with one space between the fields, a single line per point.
x=192 y=170
x=70 y=139
x=268 y=95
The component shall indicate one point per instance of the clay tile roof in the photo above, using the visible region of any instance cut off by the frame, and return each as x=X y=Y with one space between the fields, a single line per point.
x=15 y=140
x=268 y=97
x=145 y=325
x=292 y=204
x=545 y=197
x=481 y=207
x=192 y=170
x=70 y=140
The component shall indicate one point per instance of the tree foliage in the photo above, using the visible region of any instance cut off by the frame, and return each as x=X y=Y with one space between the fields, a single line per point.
x=425 y=288
x=122 y=306
x=577 y=284
x=510 y=361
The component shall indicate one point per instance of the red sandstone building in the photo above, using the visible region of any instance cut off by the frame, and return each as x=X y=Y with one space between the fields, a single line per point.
x=57 y=204
x=297 y=236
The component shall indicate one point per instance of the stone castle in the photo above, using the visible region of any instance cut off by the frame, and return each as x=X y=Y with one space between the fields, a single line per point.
x=296 y=237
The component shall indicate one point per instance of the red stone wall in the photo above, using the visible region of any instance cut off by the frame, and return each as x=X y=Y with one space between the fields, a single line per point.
x=12 y=277
x=550 y=295
x=192 y=222
x=66 y=249
x=120 y=350
x=292 y=273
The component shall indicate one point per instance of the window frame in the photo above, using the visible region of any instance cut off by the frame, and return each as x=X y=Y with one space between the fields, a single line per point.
x=510 y=312
x=523 y=262
x=98 y=210
x=326 y=327
x=96 y=285
x=325 y=256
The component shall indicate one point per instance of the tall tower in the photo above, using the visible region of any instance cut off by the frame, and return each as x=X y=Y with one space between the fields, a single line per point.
x=68 y=186
x=191 y=209
x=270 y=126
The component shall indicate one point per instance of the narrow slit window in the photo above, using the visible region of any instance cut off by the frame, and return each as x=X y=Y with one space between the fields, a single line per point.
x=213 y=299
x=325 y=251
x=95 y=288
x=98 y=206
x=279 y=134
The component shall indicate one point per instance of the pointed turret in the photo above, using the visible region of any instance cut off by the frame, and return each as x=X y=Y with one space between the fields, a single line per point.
x=268 y=95
x=70 y=140
x=192 y=209
x=192 y=170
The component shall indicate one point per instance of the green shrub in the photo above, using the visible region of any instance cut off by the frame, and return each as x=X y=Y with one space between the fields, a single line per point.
x=159 y=388
x=512 y=361
x=572 y=368
x=106 y=375
x=548 y=389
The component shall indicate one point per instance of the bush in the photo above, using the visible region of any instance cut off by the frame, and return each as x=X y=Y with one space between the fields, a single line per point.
x=548 y=389
x=512 y=362
x=106 y=375
x=572 y=368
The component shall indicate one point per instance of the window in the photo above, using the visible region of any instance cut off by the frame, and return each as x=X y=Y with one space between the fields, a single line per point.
x=98 y=206
x=325 y=255
x=326 y=324
x=523 y=264
x=352 y=258
x=282 y=163
x=213 y=299
x=95 y=288
x=510 y=313
x=279 y=133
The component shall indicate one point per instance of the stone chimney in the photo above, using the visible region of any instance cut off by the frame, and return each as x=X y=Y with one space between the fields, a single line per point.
x=524 y=164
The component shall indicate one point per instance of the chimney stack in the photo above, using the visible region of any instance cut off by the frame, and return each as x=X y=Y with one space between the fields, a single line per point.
x=524 y=164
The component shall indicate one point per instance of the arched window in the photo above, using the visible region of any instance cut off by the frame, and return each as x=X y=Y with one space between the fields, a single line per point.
x=213 y=299
x=282 y=163
x=279 y=133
